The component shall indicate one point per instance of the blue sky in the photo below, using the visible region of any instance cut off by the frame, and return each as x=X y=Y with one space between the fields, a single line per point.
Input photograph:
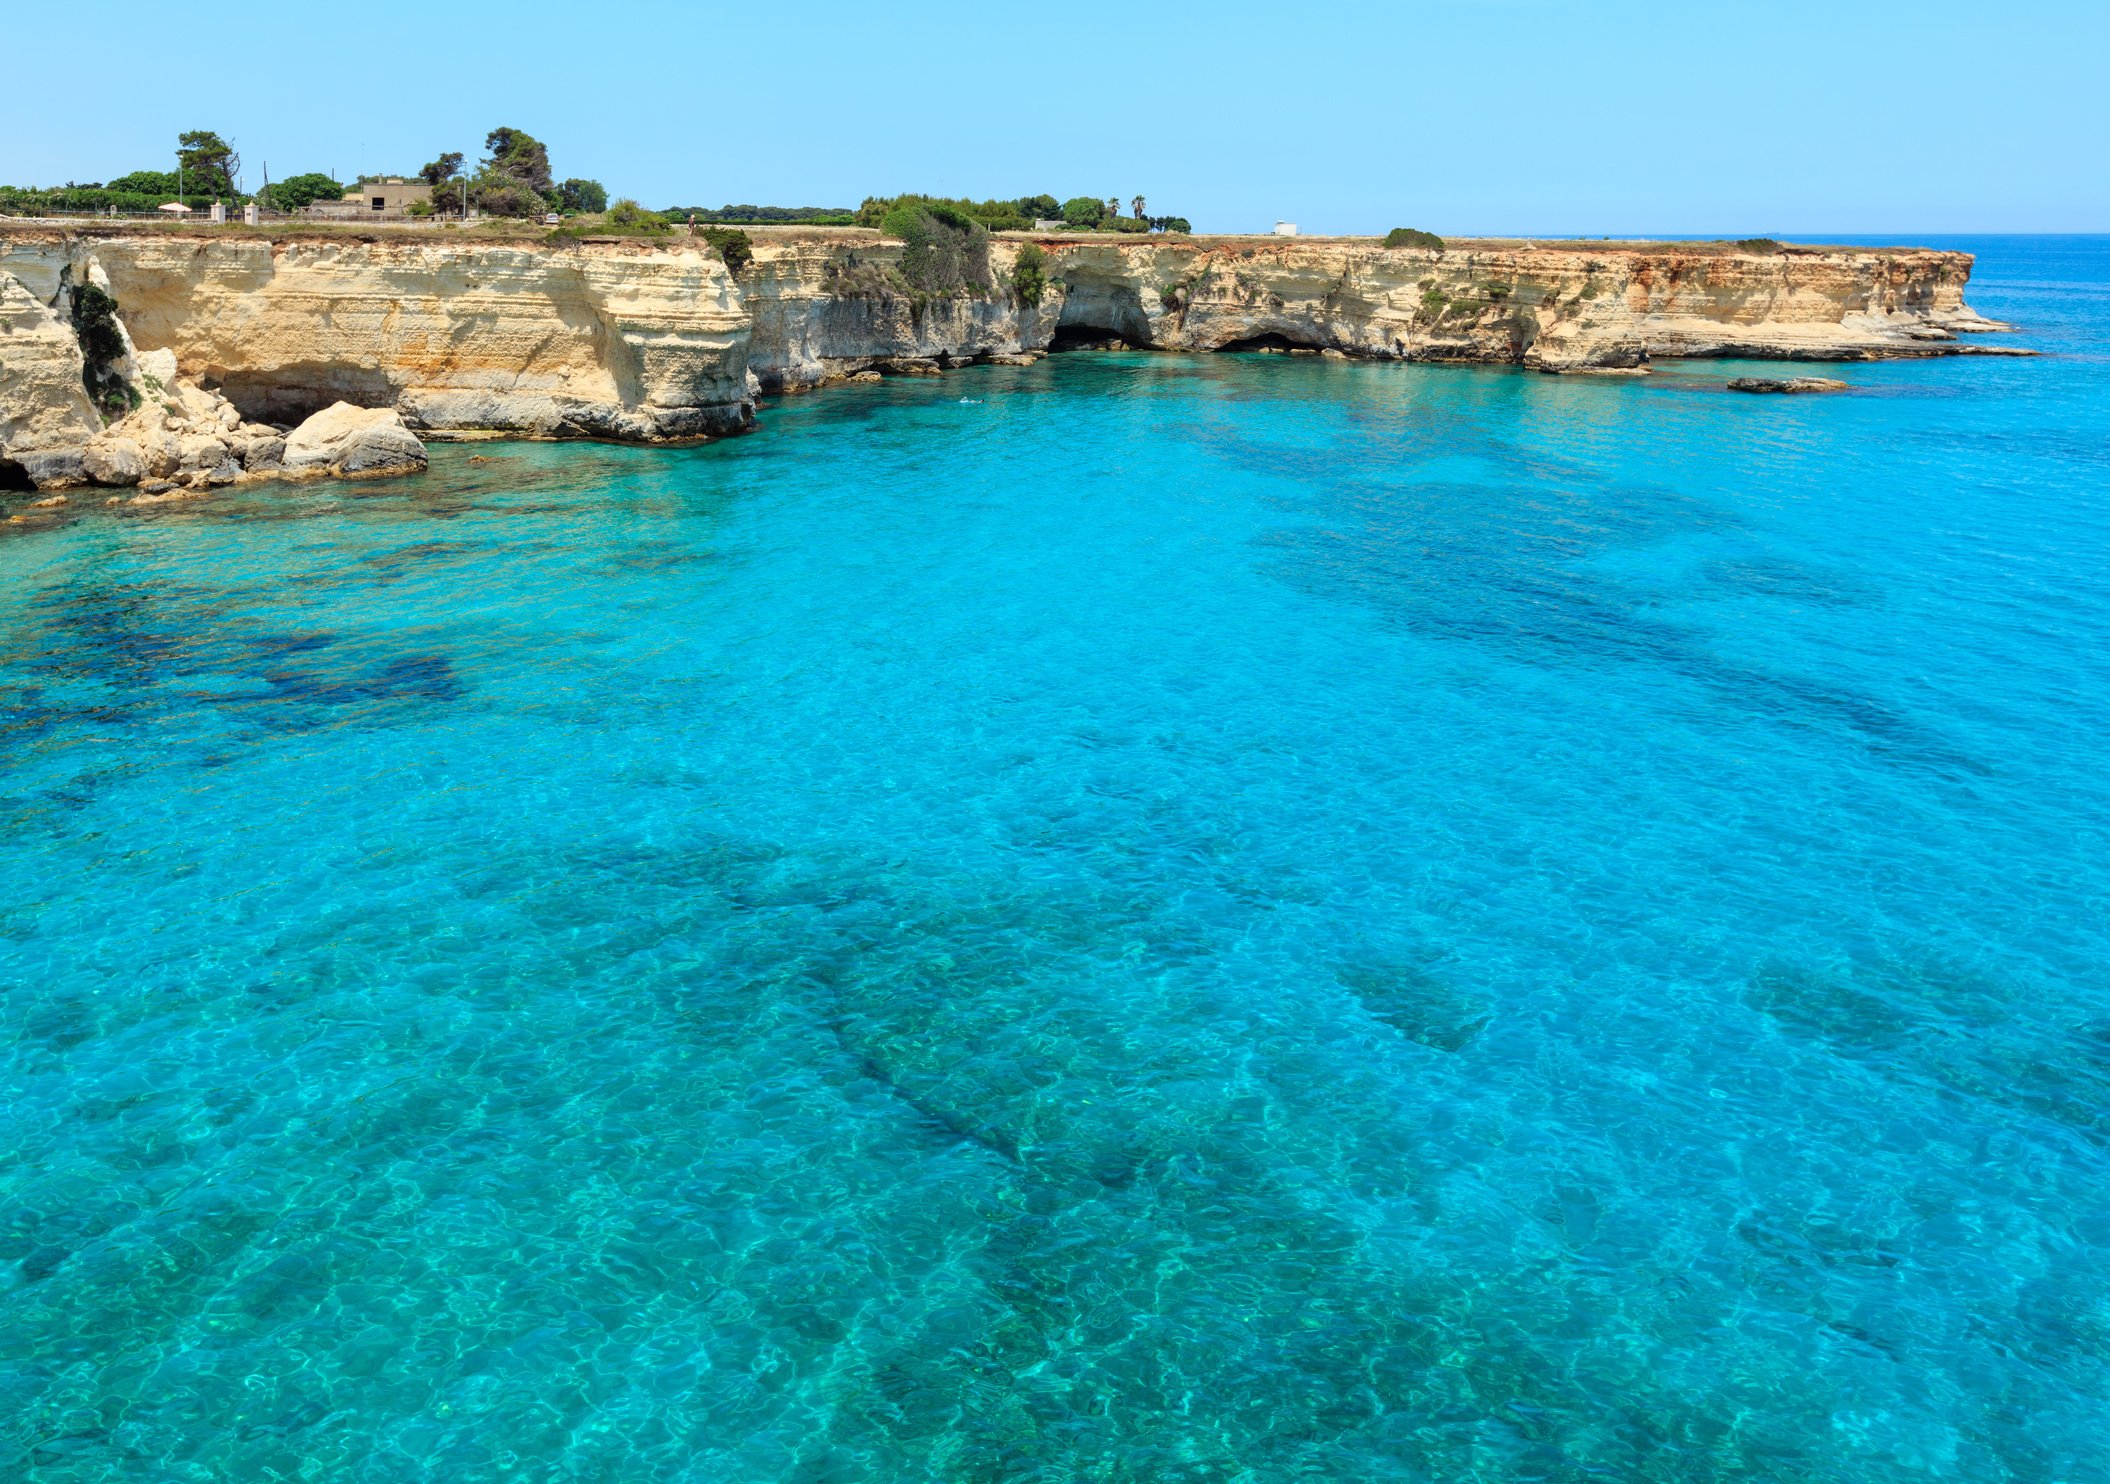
x=1495 y=116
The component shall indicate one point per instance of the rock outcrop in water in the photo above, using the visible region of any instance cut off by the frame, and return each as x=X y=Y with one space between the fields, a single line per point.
x=648 y=341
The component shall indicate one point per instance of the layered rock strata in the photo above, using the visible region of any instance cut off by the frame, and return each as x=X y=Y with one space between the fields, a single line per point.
x=822 y=308
x=658 y=340
x=605 y=342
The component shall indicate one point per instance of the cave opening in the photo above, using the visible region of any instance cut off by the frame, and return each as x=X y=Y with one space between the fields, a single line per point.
x=14 y=479
x=1089 y=337
x=1272 y=343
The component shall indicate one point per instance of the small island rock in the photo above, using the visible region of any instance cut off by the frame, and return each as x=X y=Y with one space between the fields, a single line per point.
x=1790 y=384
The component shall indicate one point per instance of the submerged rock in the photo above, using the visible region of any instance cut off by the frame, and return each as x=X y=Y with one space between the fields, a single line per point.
x=1790 y=384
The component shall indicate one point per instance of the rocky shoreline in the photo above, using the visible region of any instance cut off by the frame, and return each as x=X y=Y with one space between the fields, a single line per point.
x=388 y=336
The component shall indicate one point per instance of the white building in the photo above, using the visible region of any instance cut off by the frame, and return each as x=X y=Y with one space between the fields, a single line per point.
x=1285 y=229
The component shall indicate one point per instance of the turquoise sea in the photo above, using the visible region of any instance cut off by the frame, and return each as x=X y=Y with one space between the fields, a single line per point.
x=1140 y=918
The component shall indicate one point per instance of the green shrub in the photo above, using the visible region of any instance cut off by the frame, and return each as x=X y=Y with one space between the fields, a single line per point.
x=1413 y=237
x=734 y=247
x=296 y=191
x=629 y=218
x=160 y=183
x=1757 y=244
x=943 y=250
x=996 y=216
x=750 y=216
x=1084 y=212
x=1029 y=274
x=1170 y=224
x=102 y=349
x=501 y=195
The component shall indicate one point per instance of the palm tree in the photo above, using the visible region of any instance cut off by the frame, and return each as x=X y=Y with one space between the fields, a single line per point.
x=1138 y=205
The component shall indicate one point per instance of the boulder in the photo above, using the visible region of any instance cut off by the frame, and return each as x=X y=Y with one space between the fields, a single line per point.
x=157 y=369
x=344 y=439
x=114 y=461
x=263 y=453
x=199 y=451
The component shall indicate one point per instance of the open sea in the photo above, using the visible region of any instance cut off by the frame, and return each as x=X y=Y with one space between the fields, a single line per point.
x=1140 y=918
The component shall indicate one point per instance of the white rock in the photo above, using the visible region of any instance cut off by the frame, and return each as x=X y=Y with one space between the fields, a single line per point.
x=159 y=365
x=344 y=439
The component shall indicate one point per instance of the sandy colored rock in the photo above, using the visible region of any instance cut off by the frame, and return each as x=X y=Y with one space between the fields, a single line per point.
x=343 y=439
x=199 y=451
x=639 y=341
x=43 y=402
x=822 y=306
x=656 y=340
x=114 y=461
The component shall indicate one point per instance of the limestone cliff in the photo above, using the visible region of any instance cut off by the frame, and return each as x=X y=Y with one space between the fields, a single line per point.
x=654 y=340
x=824 y=307
x=43 y=401
x=600 y=342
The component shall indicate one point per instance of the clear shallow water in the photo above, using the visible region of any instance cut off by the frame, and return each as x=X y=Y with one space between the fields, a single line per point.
x=1191 y=919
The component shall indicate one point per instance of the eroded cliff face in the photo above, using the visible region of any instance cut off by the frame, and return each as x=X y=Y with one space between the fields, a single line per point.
x=824 y=308
x=602 y=341
x=658 y=340
x=43 y=398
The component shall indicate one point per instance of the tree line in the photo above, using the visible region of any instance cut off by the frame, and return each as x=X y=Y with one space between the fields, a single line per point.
x=1078 y=214
x=513 y=180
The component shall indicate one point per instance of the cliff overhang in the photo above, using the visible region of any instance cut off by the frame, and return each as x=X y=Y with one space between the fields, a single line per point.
x=654 y=341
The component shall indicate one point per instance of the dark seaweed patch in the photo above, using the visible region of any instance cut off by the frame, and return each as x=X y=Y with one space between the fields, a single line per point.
x=1418 y=1005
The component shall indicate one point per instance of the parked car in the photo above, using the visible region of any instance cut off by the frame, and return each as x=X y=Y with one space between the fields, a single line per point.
x=551 y=219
